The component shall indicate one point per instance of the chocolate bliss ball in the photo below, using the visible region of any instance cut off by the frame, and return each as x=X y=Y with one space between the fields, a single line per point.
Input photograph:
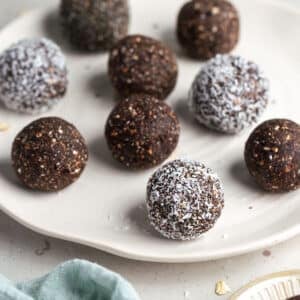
x=184 y=199
x=33 y=76
x=95 y=24
x=208 y=27
x=139 y=64
x=49 y=154
x=142 y=131
x=229 y=94
x=272 y=155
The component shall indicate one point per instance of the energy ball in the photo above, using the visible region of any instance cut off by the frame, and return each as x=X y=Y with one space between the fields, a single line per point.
x=49 y=154
x=139 y=64
x=142 y=131
x=208 y=27
x=229 y=94
x=95 y=24
x=272 y=155
x=33 y=76
x=184 y=199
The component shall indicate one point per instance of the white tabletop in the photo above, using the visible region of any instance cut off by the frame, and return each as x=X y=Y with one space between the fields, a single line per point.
x=24 y=254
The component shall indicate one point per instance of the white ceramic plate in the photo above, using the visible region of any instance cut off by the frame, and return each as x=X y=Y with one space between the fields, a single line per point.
x=105 y=208
x=277 y=286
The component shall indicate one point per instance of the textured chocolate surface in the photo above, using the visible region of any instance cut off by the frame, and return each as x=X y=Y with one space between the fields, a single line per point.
x=184 y=199
x=49 y=154
x=272 y=155
x=95 y=24
x=229 y=94
x=142 y=131
x=140 y=64
x=33 y=76
x=208 y=27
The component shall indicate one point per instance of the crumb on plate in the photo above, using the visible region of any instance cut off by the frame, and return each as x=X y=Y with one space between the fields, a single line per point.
x=222 y=288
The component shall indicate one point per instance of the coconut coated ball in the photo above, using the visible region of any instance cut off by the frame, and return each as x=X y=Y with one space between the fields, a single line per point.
x=184 y=199
x=49 y=154
x=142 y=132
x=208 y=27
x=272 y=155
x=140 y=64
x=33 y=76
x=229 y=94
x=95 y=24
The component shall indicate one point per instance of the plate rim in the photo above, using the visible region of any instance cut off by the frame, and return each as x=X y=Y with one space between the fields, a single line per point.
x=269 y=241
x=261 y=279
x=254 y=246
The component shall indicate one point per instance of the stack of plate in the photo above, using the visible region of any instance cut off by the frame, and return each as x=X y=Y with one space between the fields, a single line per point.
x=278 y=286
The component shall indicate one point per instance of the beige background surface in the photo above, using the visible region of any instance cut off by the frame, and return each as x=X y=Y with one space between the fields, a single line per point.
x=24 y=255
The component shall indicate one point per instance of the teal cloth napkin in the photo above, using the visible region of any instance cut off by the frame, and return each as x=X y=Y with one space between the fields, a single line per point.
x=73 y=280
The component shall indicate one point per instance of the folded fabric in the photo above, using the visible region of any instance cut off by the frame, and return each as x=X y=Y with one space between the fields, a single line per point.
x=73 y=280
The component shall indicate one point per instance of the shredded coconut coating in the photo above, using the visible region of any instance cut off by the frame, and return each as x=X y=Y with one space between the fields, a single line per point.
x=229 y=94
x=184 y=199
x=33 y=76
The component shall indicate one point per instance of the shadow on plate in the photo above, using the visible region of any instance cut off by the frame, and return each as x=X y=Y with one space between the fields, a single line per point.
x=241 y=175
x=7 y=173
x=138 y=216
x=182 y=110
x=53 y=30
x=168 y=37
x=2 y=106
x=101 y=87
x=99 y=150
